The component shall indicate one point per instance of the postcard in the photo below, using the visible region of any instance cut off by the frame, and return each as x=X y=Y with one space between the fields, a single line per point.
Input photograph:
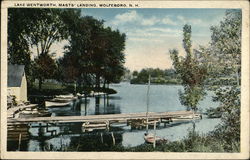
x=125 y=79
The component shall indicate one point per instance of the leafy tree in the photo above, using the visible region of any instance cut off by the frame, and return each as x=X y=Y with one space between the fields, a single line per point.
x=44 y=68
x=224 y=62
x=46 y=30
x=33 y=32
x=135 y=73
x=191 y=72
x=114 y=57
x=18 y=44
x=98 y=51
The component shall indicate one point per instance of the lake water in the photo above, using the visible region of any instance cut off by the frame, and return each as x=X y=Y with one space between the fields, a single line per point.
x=129 y=99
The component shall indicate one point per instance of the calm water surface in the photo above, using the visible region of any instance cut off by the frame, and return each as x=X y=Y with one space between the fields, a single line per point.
x=129 y=99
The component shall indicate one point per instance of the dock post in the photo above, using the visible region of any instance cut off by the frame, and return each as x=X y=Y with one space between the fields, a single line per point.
x=61 y=142
x=112 y=134
x=154 y=134
x=19 y=142
x=101 y=138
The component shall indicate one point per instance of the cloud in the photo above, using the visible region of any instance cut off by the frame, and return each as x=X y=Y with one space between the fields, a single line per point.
x=192 y=21
x=149 y=21
x=133 y=17
x=129 y=16
x=164 y=30
x=154 y=34
x=168 y=21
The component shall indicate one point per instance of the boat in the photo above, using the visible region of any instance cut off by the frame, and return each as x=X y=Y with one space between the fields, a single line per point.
x=150 y=138
x=186 y=118
x=60 y=101
x=34 y=113
x=56 y=103
x=65 y=96
x=98 y=125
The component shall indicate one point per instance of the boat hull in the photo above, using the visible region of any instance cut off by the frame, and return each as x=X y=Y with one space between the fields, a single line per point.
x=150 y=138
x=56 y=104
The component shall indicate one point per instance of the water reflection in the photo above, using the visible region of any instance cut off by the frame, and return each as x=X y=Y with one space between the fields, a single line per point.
x=130 y=99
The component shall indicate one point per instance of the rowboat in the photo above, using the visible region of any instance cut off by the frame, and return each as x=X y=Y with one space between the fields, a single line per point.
x=65 y=96
x=57 y=103
x=34 y=113
x=150 y=138
x=186 y=118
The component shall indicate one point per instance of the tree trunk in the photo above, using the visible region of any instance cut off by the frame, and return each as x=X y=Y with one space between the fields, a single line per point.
x=40 y=83
x=97 y=80
x=75 y=88
x=104 y=84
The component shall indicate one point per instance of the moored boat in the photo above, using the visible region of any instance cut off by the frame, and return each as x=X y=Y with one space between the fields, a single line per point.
x=34 y=113
x=186 y=118
x=57 y=103
x=150 y=138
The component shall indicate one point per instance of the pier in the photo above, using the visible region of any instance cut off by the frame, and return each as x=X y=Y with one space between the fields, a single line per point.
x=109 y=118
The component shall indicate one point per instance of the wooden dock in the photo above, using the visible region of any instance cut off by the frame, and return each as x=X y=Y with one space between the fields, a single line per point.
x=110 y=118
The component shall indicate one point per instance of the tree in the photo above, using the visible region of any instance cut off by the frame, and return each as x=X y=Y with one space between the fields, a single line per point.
x=44 y=68
x=192 y=73
x=114 y=57
x=135 y=73
x=46 y=30
x=18 y=44
x=33 y=32
x=97 y=50
x=224 y=59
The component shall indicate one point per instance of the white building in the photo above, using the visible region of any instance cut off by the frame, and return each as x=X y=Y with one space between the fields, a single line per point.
x=17 y=83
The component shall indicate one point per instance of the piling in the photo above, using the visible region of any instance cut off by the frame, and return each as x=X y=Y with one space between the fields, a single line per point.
x=101 y=138
x=19 y=143
x=113 y=138
x=154 y=134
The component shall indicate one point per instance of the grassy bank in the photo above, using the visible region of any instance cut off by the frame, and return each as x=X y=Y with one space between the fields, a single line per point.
x=194 y=142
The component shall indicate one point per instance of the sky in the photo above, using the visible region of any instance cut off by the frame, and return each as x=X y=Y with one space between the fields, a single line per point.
x=151 y=33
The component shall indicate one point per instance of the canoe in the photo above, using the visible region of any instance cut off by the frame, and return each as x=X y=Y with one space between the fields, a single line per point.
x=56 y=103
x=65 y=96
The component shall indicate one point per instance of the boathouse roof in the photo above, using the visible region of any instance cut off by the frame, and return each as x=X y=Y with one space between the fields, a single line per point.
x=15 y=74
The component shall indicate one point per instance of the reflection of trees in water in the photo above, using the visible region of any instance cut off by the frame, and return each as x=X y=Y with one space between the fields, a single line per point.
x=97 y=105
x=94 y=141
x=14 y=133
x=108 y=107
x=103 y=105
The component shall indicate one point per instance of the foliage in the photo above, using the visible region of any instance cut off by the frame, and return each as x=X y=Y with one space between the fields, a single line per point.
x=33 y=32
x=45 y=31
x=192 y=73
x=158 y=76
x=44 y=68
x=18 y=45
x=94 y=52
x=223 y=56
x=52 y=89
x=214 y=112
x=194 y=142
